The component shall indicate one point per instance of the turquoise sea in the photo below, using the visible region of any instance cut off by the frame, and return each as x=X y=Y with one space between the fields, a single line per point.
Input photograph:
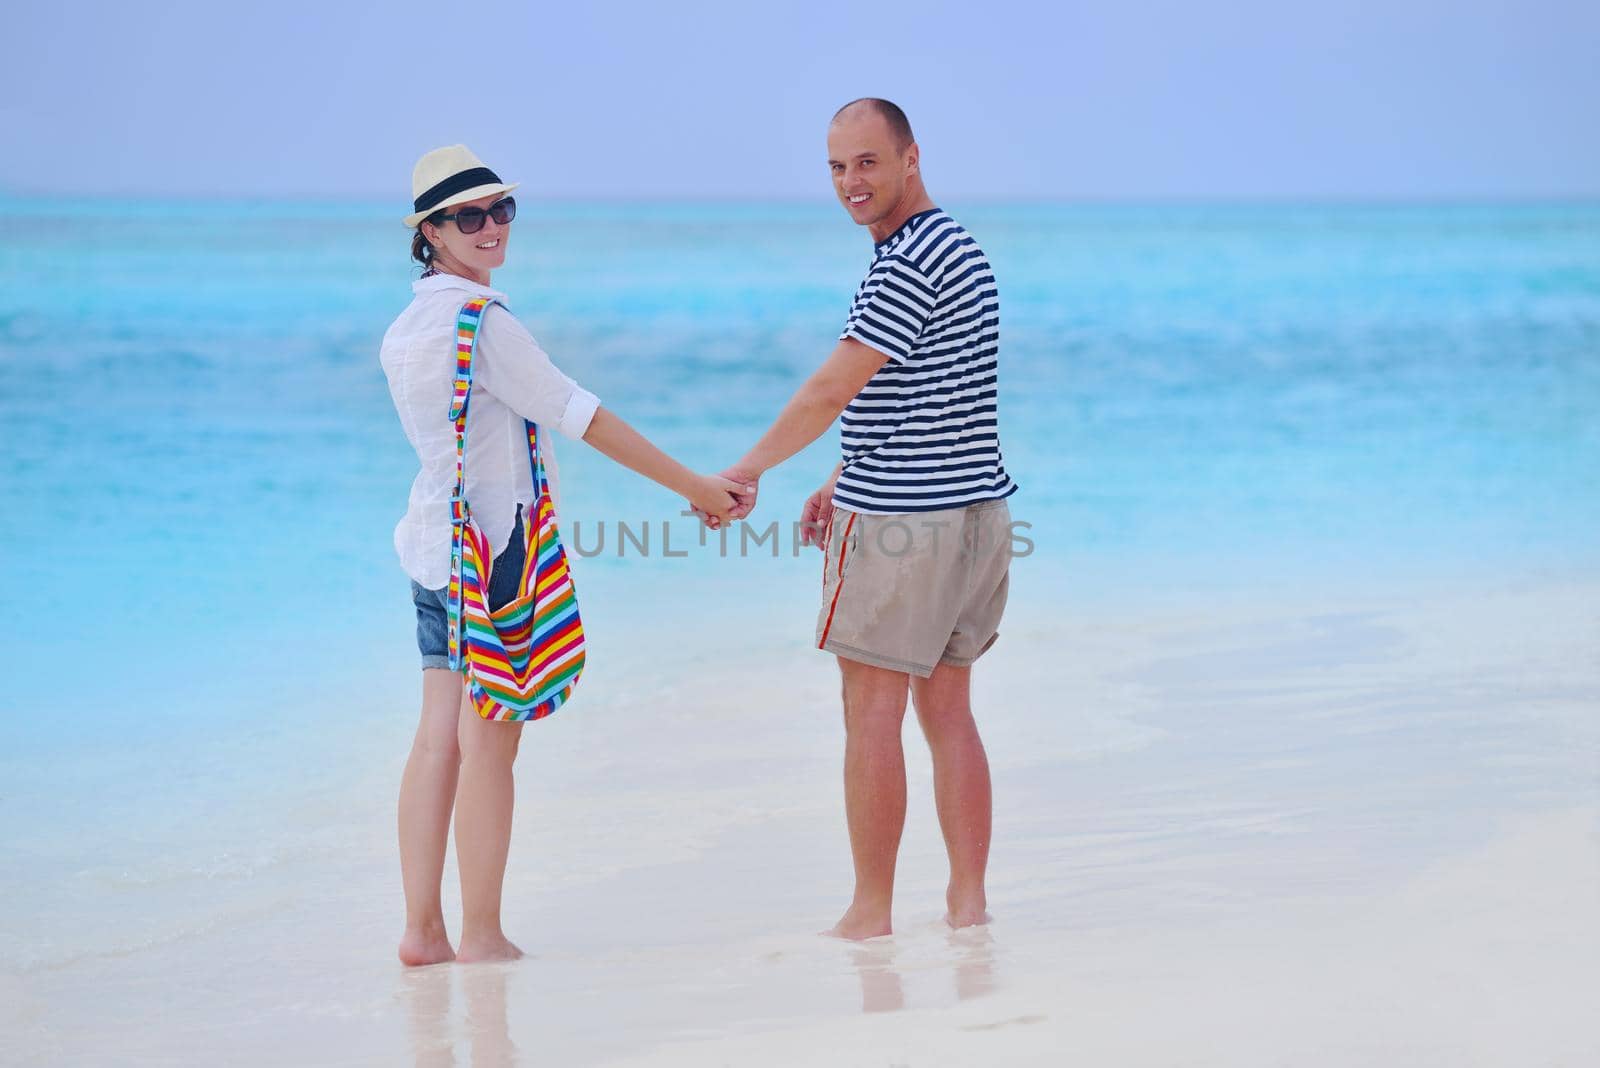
x=201 y=467
x=1293 y=705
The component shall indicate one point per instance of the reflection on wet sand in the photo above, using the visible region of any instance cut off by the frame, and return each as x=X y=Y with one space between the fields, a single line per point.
x=969 y=957
x=488 y=1033
x=973 y=950
x=427 y=994
x=881 y=987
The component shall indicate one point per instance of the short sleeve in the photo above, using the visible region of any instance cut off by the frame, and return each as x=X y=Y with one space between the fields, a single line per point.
x=891 y=308
x=510 y=364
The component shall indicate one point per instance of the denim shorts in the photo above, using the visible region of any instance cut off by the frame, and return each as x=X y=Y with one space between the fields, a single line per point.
x=433 y=606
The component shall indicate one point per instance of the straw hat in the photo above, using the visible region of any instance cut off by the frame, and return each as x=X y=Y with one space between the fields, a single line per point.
x=449 y=176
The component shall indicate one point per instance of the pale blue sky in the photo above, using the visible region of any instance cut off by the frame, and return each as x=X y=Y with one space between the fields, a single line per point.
x=717 y=99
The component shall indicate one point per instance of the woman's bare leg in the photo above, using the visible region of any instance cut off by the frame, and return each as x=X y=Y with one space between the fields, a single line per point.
x=427 y=793
x=484 y=799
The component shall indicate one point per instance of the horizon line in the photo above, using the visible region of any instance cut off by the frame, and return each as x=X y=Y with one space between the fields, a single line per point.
x=984 y=199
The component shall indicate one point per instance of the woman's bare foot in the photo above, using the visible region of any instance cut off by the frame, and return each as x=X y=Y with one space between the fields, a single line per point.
x=421 y=946
x=858 y=923
x=489 y=948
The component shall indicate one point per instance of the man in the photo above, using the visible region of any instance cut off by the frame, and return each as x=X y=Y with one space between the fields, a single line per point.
x=917 y=535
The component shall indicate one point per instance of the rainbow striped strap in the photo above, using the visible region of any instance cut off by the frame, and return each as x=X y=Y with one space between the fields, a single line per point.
x=467 y=323
x=460 y=513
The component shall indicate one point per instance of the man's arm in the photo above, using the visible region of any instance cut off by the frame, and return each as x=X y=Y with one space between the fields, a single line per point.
x=814 y=406
x=818 y=509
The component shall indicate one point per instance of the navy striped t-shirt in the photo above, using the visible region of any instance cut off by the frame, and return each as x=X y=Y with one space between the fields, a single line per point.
x=923 y=434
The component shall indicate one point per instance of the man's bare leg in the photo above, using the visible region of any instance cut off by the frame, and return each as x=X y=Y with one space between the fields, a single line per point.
x=427 y=794
x=484 y=801
x=874 y=792
x=961 y=787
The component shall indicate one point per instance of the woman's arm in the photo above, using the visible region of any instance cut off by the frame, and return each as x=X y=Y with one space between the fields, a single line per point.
x=517 y=371
x=714 y=495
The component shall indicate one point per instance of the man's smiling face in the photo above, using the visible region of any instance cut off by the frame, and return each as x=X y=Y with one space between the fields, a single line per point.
x=870 y=171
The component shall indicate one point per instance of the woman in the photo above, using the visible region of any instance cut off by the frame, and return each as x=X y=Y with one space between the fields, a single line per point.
x=462 y=219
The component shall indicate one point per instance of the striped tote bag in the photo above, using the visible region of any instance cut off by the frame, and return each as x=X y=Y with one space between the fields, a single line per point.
x=521 y=660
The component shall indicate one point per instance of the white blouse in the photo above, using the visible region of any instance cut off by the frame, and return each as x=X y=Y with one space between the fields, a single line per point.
x=512 y=380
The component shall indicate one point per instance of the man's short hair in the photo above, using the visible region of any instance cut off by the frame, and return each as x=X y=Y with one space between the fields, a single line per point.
x=899 y=125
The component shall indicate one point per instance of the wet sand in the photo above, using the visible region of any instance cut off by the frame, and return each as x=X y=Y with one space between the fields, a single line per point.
x=1332 y=832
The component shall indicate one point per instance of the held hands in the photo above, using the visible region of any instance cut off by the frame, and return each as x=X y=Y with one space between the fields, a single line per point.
x=814 y=515
x=743 y=486
x=717 y=499
x=747 y=485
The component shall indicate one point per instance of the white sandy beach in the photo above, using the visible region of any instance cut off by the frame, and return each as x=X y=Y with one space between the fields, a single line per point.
x=1361 y=833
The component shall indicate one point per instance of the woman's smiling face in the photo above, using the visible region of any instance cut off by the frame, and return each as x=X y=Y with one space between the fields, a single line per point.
x=475 y=254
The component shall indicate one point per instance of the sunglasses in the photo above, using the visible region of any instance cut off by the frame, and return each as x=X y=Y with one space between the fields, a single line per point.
x=470 y=220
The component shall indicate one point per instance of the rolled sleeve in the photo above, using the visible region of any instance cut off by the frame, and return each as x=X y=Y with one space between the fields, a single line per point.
x=579 y=414
x=511 y=365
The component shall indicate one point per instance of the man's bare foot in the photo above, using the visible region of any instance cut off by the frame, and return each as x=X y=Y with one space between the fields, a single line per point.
x=421 y=946
x=495 y=947
x=968 y=913
x=858 y=923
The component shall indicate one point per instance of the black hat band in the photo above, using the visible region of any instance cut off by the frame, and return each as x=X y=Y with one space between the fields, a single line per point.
x=454 y=184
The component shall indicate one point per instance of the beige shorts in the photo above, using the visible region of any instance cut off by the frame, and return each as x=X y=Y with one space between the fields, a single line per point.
x=909 y=592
